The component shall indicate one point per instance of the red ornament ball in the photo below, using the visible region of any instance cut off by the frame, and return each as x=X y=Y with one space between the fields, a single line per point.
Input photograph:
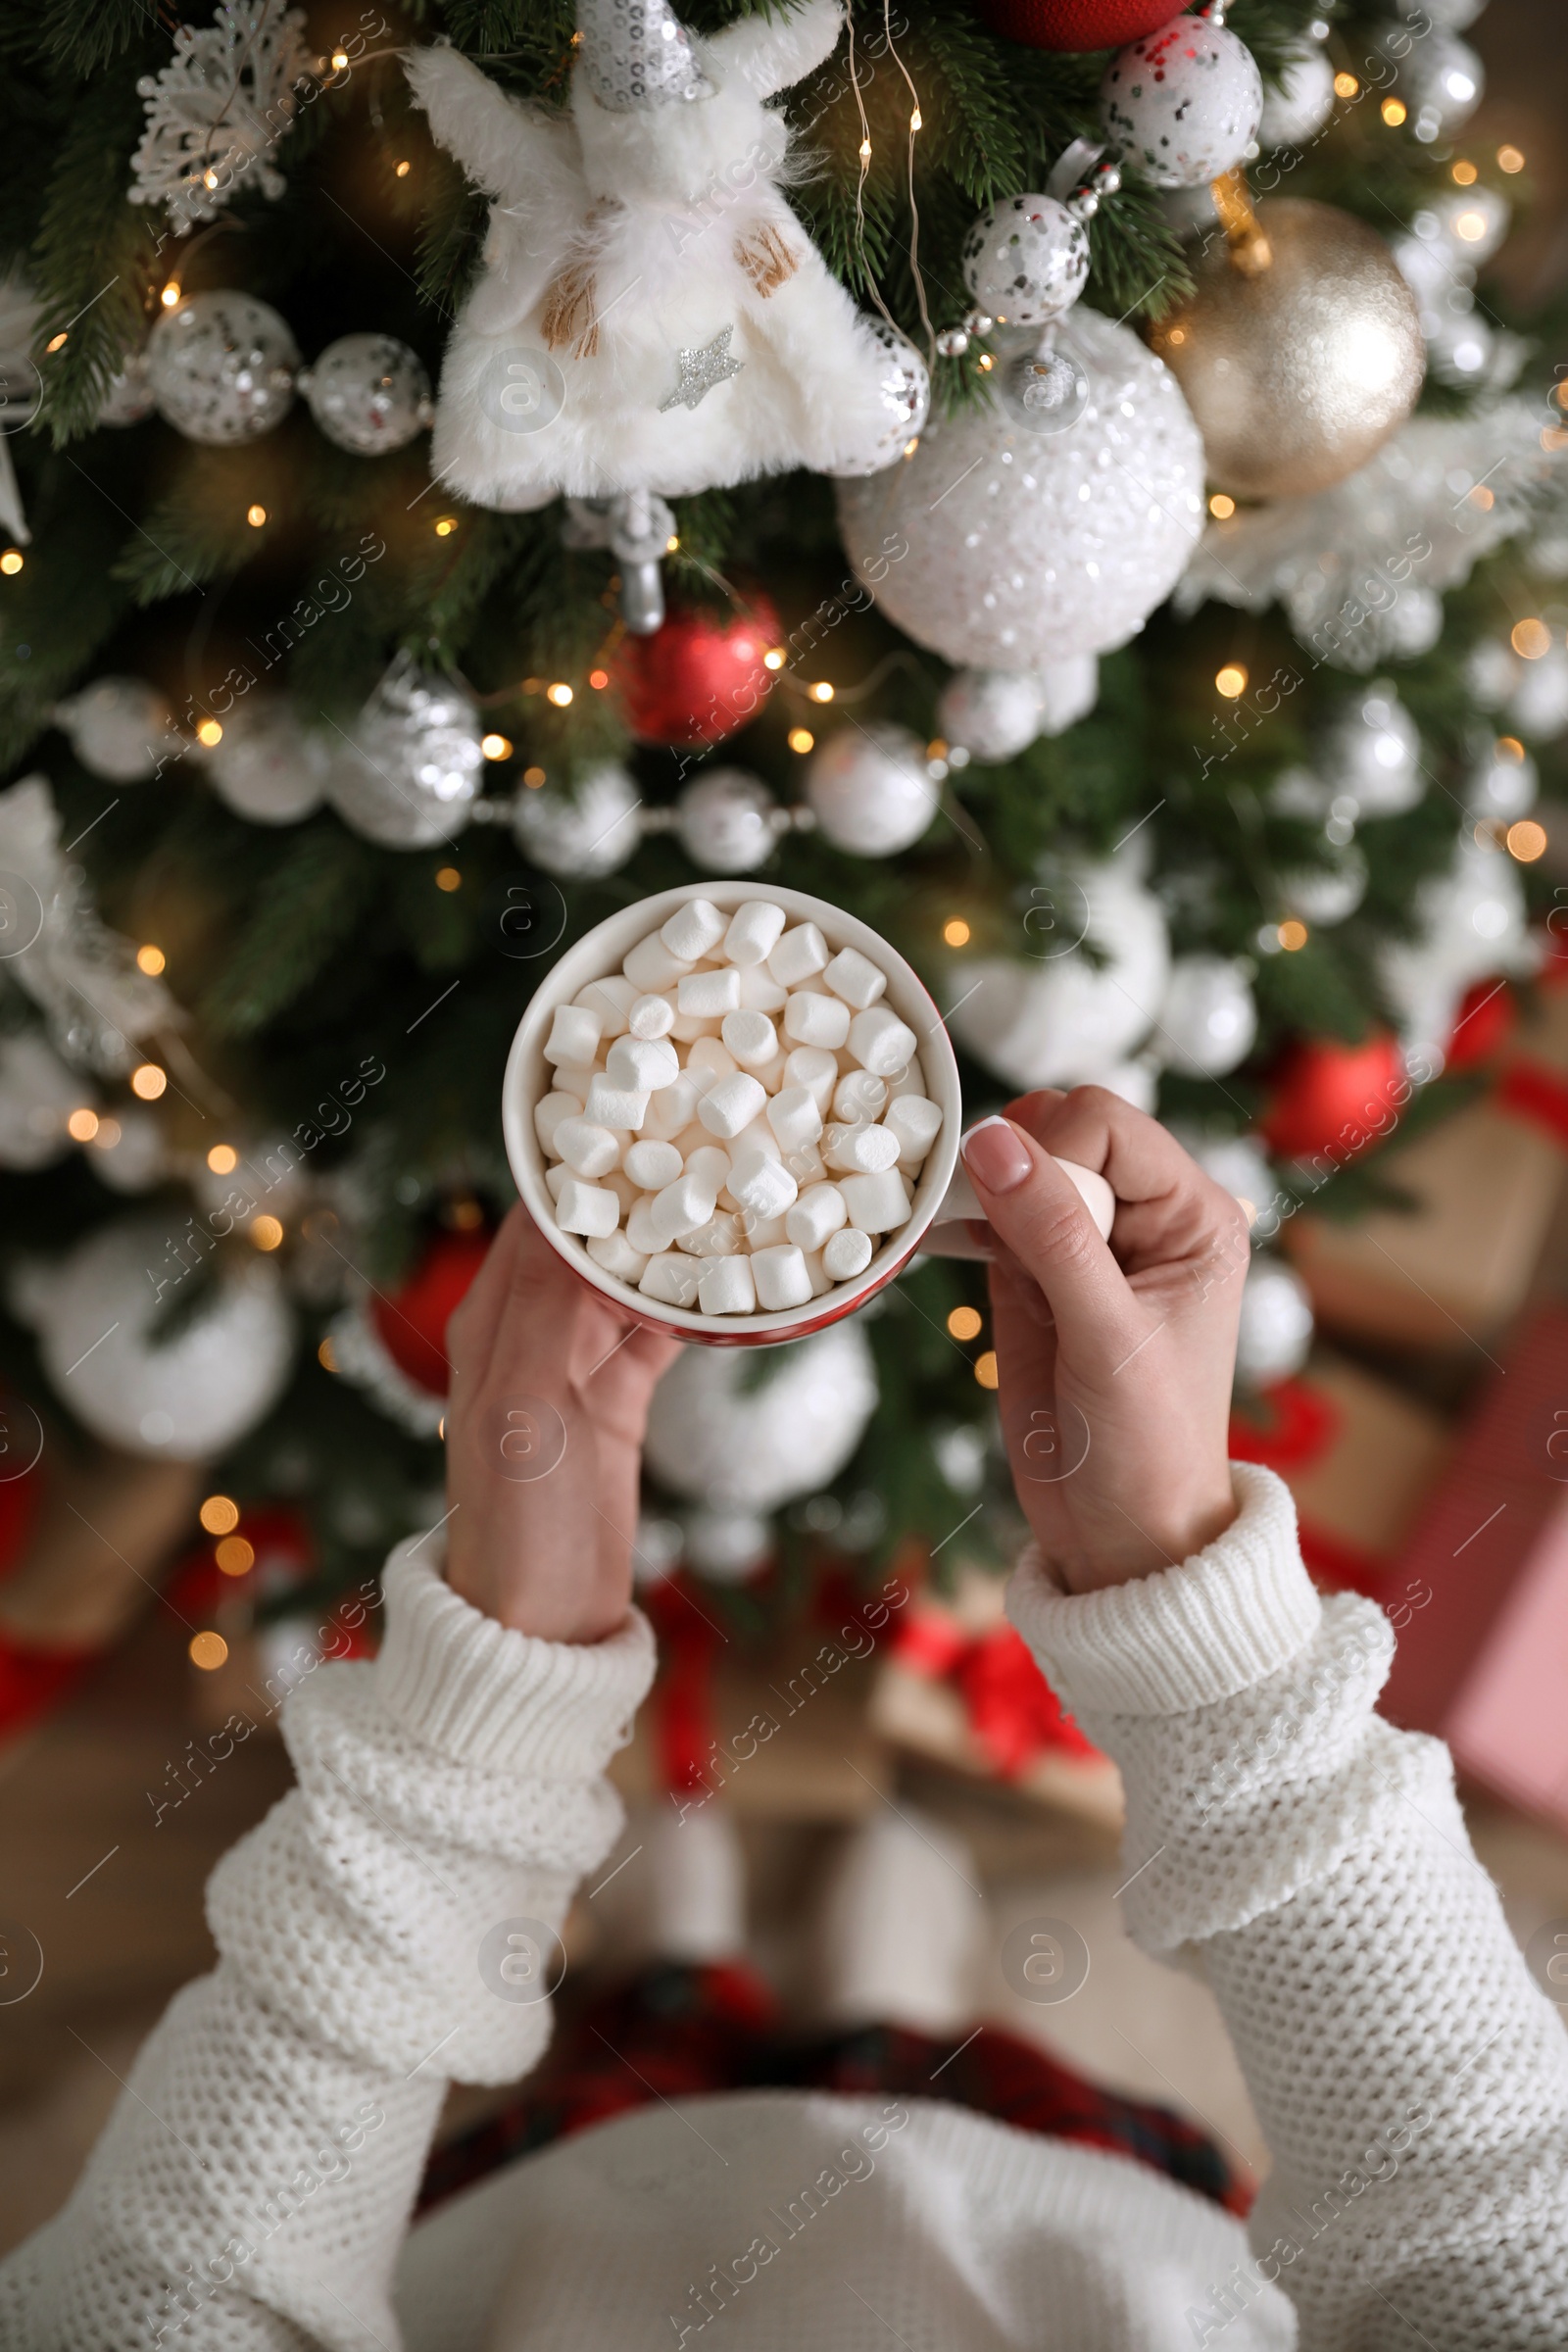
x=1075 y=23
x=411 y=1323
x=1487 y=1016
x=1332 y=1101
x=698 y=678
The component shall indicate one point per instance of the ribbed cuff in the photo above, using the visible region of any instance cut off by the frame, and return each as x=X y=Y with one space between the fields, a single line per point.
x=485 y=1694
x=1189 y=1635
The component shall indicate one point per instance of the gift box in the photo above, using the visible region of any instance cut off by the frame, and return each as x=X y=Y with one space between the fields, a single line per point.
x=959 y=1689
x=1482 y=1659
x=1360 y=1457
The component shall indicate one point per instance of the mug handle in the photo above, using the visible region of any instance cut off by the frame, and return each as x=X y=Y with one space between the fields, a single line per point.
x=950 y=1232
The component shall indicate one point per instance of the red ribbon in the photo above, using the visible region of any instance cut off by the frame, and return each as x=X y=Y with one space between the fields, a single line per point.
x=1014 y=1713
x=682 y=1710
x=1303 y=1425
x=1531 y=1091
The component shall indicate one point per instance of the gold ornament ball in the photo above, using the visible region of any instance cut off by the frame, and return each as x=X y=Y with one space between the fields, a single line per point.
x=1299 y=350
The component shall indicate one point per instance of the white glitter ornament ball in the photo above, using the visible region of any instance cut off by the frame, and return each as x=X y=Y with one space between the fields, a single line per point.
x=1328 y=893
x=128 y=1153
x=1372 y=754
x=728 y=1547
x=266 y=766
x=1026 y=260
x=584 y=834
x=1025 y=547
x=1538 y=703
x=1240 y=1168
x=222 y=368
x=1472 y=924
x=1471 y=224
x=1068 y=691
x=994 y=714
x=1207 y=1019
x=37 y=1096
x=870 y=790
x=1053 y=1017
x=118 y=727
x=368 y=393
x=409 y=773
x=1299 y=109
x=182 y=1396
x=904 y=386
x=1276 y=1325
x=1183 y=103
x=1439 y=78
x=725 y=821
x=733 y=1442
x=1502 y=783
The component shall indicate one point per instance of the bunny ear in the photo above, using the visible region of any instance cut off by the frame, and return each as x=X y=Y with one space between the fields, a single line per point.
x=769 y=53
x=636 y=54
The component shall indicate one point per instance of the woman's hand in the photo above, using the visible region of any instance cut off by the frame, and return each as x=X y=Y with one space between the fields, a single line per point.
x=1115 y=1361
x=550 y=1390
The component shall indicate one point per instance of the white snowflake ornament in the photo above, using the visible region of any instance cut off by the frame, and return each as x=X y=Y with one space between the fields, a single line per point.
x=218 y=109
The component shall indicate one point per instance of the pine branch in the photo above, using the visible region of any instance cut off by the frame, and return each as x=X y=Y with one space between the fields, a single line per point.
x=305 y=909
x=92 y=34
x=94 y=257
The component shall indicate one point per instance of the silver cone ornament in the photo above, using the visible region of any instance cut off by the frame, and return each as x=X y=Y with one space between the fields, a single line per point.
x=637 y=53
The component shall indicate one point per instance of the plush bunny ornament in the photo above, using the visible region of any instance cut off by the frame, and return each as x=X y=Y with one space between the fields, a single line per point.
x=653 y=317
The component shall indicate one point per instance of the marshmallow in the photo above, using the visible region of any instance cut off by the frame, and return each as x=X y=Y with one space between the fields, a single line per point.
x=806 y=1164
x=798 y=954
x=643 y=1065
x=707 y=1162
x=669 y=1110
x=720 y=1237
x=693 y=930
x=753 y=930
x=616 y=1255
x=909 y=1081
x=761 y=1233
x=847 y=1253
x=816 y=1274
x=574 y=1034
x=576 y=1078
x=861 y=1149
x=761 y=1185
x=650 y=1015
x=760 y=991
x=640 y=1231
x=731 y=1103
x=709 y=1058
x=709 y=994
x=651 y=966
x=794 y=1117
x=815 y=1069
x=851 y=976
x=651 y=1163
x=859 y=1096
x=682 y=1206
x=915 y=1122
x=586 y=1209
x=880 y=1041
x=621 y=1185
x=686 y=1028
x=670 y=1279
x=757 y=1136
x=611 y=1106
x=610 y=998
x=752 y=1038
x=813 y=1019
x=877 y=1203
x=588 y=1151
x=816 y=1216
x=548 y=1114
x=556 y=1177
x=780 y=1277
x=724 y=1286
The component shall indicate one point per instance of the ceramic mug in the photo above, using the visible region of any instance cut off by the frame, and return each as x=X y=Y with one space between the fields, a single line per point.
x=601 y=951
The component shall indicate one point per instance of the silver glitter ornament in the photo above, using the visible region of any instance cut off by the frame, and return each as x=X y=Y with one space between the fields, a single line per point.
x=637 y=53
x=1276 y=1324
x=1026 y=260
x=368 y=393
x=1439 y=78
x=118 y=727
x=222 y=368
x=37 y=1096
x=1298 y=110
x=1070 y=689
x=1371 y=754
x=1207 y=1019
x=266 y=766
x=1183 y=103
x=870 y=789
x=726 y=821
x=1023 y=548
x=993 y=714
x=906 y=388
x=409 y=773
x=1502 y=783
x=700 y=368
x=1328 y=893
x=722 y=1437
x=583 y=835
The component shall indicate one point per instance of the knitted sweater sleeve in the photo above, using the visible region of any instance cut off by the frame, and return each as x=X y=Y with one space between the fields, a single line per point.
x=387 y=1927
x=1312 y=1864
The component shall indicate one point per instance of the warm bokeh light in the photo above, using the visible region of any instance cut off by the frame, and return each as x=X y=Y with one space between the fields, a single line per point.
x=266 y=1232
x=821 y=692
x=1221 y=506
x=773 y=658
x=1511 y=159
x=209 y=732
x=533 y=778
x=220 y=1515
x=865 y=151
x=151 y=960
x=256 y=516
x=1509 y=747
x=11 y=561
x=987 y=363
x=222 y=1159
x=82 y=1126
x=445 y=525
x=1481 y=495
x=560 y=693
x=494 y=747
x=956 y=932
x=914 y=119
x=1345 y=85
x=171 y=294
x=403 y=170
x=1471 y=226
x=1231 y=681
x=207 y=1651
x=964 y=1322
x=340 y=60
x=1394 y=110
x=447 y=877
x=235 y=1556
x=1292 y=935
x=800 y=739
x=1530 y=639
x=985 y=1369
x=599 y=679
x=56 y=342
x=1464 y=174
x=1525 y=841
x=671 y=544
x=148 y=1081
x=326 y=1356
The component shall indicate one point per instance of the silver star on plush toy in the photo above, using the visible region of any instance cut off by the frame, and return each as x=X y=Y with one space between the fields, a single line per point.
x=709 y=364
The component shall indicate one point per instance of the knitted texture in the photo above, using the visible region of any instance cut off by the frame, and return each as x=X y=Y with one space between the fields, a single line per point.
x=252 y=2189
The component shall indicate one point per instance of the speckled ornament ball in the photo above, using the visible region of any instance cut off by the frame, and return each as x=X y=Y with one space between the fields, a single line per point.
x=368 y=393
x=1207 y=1019
x=904 y=386
x=118 y=727
x=727 y=821
x=991 y=713
x=1026 y=549
x=266 y=766
x=222 y=368
x=1276 y=1324
x=409 y=771
x=1371 y=753
x=1026 y=260
x=586 y=833
x=870 y=790
x=1183 y=103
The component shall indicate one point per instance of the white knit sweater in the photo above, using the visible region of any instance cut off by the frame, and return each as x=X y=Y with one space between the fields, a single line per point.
x=252 y=2189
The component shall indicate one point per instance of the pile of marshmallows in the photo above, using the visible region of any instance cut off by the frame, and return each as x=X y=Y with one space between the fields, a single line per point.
x=735 y=1115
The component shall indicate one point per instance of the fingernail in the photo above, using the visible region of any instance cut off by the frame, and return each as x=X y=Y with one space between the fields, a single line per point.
x=995 y=1156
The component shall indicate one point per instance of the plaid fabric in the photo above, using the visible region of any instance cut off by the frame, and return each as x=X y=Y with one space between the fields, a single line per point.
x=674 y=2031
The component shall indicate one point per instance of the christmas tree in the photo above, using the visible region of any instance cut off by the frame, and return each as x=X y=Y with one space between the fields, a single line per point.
x=1031 y=474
